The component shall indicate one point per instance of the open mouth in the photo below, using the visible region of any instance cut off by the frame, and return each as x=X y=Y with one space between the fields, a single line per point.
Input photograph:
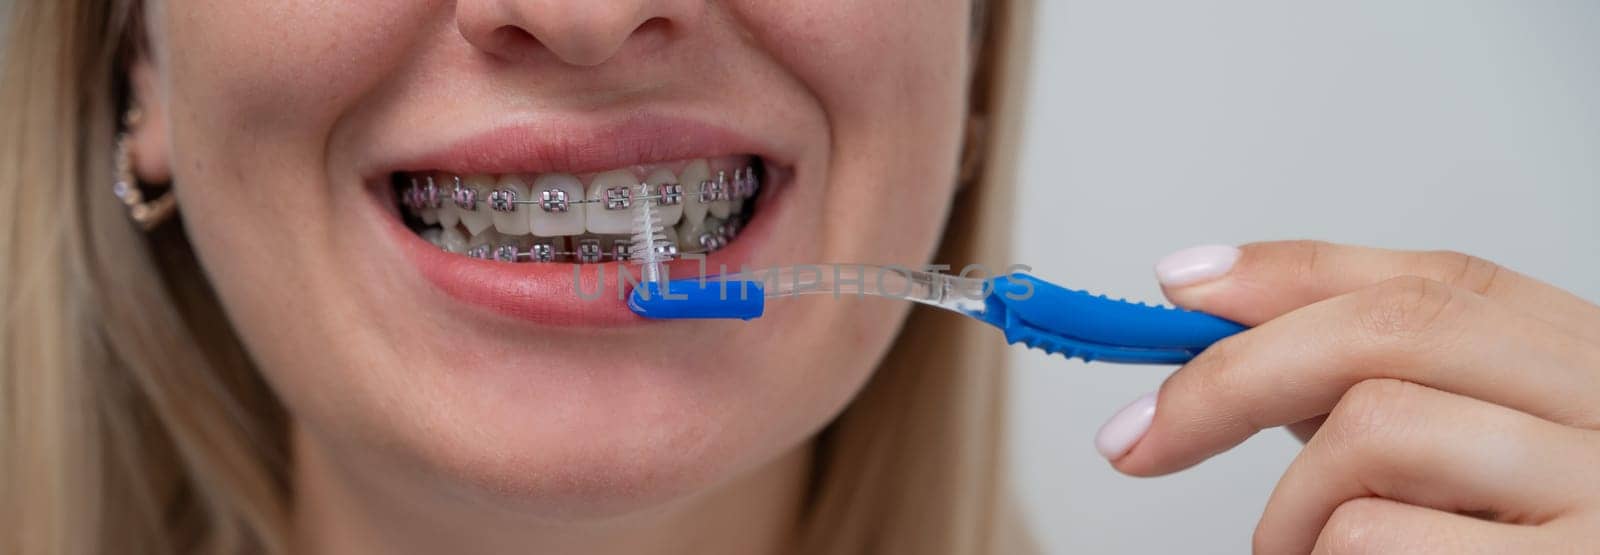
x=580 y=218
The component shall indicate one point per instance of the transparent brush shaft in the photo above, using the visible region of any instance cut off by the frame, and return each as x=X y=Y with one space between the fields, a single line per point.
x=964 y=295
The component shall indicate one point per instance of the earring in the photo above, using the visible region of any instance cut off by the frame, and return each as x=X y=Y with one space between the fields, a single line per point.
x=147 y=215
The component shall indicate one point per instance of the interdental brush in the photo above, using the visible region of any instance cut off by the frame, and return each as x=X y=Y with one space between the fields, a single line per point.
x=1031 y=311
x=650 y=246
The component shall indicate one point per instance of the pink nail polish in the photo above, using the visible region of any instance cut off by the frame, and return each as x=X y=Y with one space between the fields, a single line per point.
x=1196 y=264
x=1124 y=430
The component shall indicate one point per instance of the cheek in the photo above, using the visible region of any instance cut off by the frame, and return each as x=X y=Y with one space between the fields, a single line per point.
x=882 y=58
x=894 y=113
x=273 y=67
x=252 y=90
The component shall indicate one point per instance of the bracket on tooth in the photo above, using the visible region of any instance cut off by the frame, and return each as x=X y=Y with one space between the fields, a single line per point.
x=419 y=196
x=711 y=191
x=711 y=241
x=738 y=186
x=503 y=200
x=430 y=194
x=466 y=197
x=589 y=251
x=671 y=194
x=542 y=252
x=506 y=253
x=619 y=198
x=744 y=183
x=621 y=251
x=553 y=200
x=480 y=252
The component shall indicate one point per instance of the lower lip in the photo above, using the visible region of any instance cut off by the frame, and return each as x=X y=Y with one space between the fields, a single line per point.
x=543 y=293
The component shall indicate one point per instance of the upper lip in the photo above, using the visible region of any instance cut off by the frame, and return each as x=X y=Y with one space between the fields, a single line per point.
x=551 y=145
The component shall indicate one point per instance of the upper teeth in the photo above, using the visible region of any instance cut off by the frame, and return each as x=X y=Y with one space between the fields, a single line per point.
x=557 y=205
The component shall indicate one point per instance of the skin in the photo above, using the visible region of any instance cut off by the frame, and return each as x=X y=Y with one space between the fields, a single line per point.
x=1450 y=405
x=539 y=438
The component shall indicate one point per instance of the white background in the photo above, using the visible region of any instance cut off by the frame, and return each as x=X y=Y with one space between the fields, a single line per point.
x=1467 y=125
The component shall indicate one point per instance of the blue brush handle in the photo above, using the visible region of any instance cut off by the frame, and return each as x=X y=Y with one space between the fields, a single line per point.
x=1076 y=324
x=1031 y=311
x=697 y=299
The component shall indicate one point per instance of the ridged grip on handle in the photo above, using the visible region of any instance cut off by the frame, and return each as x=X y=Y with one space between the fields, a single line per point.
x=1076 y=324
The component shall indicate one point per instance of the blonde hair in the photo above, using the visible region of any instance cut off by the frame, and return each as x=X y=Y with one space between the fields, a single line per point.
x=132 y=421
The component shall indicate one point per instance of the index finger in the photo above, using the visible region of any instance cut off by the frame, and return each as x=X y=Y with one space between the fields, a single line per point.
x=1261 y=281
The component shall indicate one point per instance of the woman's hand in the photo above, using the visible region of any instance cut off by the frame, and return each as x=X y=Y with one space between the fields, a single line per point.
x=1449 y=405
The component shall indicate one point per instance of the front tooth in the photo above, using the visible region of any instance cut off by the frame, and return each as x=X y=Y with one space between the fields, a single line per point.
x=478 y=218
x=515 y=220
x=720 y=208
x=693 y=178
x=558 y=213
x=671 y=208
x=605 y=214
x=453 y=240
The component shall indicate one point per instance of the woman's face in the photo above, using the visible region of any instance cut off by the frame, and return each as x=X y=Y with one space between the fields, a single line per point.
x=291 y=126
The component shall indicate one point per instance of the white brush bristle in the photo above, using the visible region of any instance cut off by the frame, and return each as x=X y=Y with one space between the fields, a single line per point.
x=649 y=234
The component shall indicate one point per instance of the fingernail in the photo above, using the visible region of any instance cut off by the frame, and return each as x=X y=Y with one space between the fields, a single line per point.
x=1196 y=264
x=1119 y=434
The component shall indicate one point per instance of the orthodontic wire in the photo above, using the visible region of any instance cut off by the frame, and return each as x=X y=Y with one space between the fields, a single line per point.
x=721 y=181
x=748 y=190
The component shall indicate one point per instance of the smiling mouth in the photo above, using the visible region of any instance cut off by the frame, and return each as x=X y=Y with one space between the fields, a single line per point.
x=583 y=218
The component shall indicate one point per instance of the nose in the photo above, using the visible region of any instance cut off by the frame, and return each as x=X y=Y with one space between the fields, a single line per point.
x=578 y=32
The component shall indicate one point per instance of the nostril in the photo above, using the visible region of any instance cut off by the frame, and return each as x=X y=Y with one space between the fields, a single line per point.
x=511 y=38
x=582 y=34
x=652 y=26
x=651 y=34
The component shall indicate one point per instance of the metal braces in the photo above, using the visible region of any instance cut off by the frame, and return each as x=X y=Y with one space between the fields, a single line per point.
x=590 y=251
x=483 y=252
x=424 y=194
